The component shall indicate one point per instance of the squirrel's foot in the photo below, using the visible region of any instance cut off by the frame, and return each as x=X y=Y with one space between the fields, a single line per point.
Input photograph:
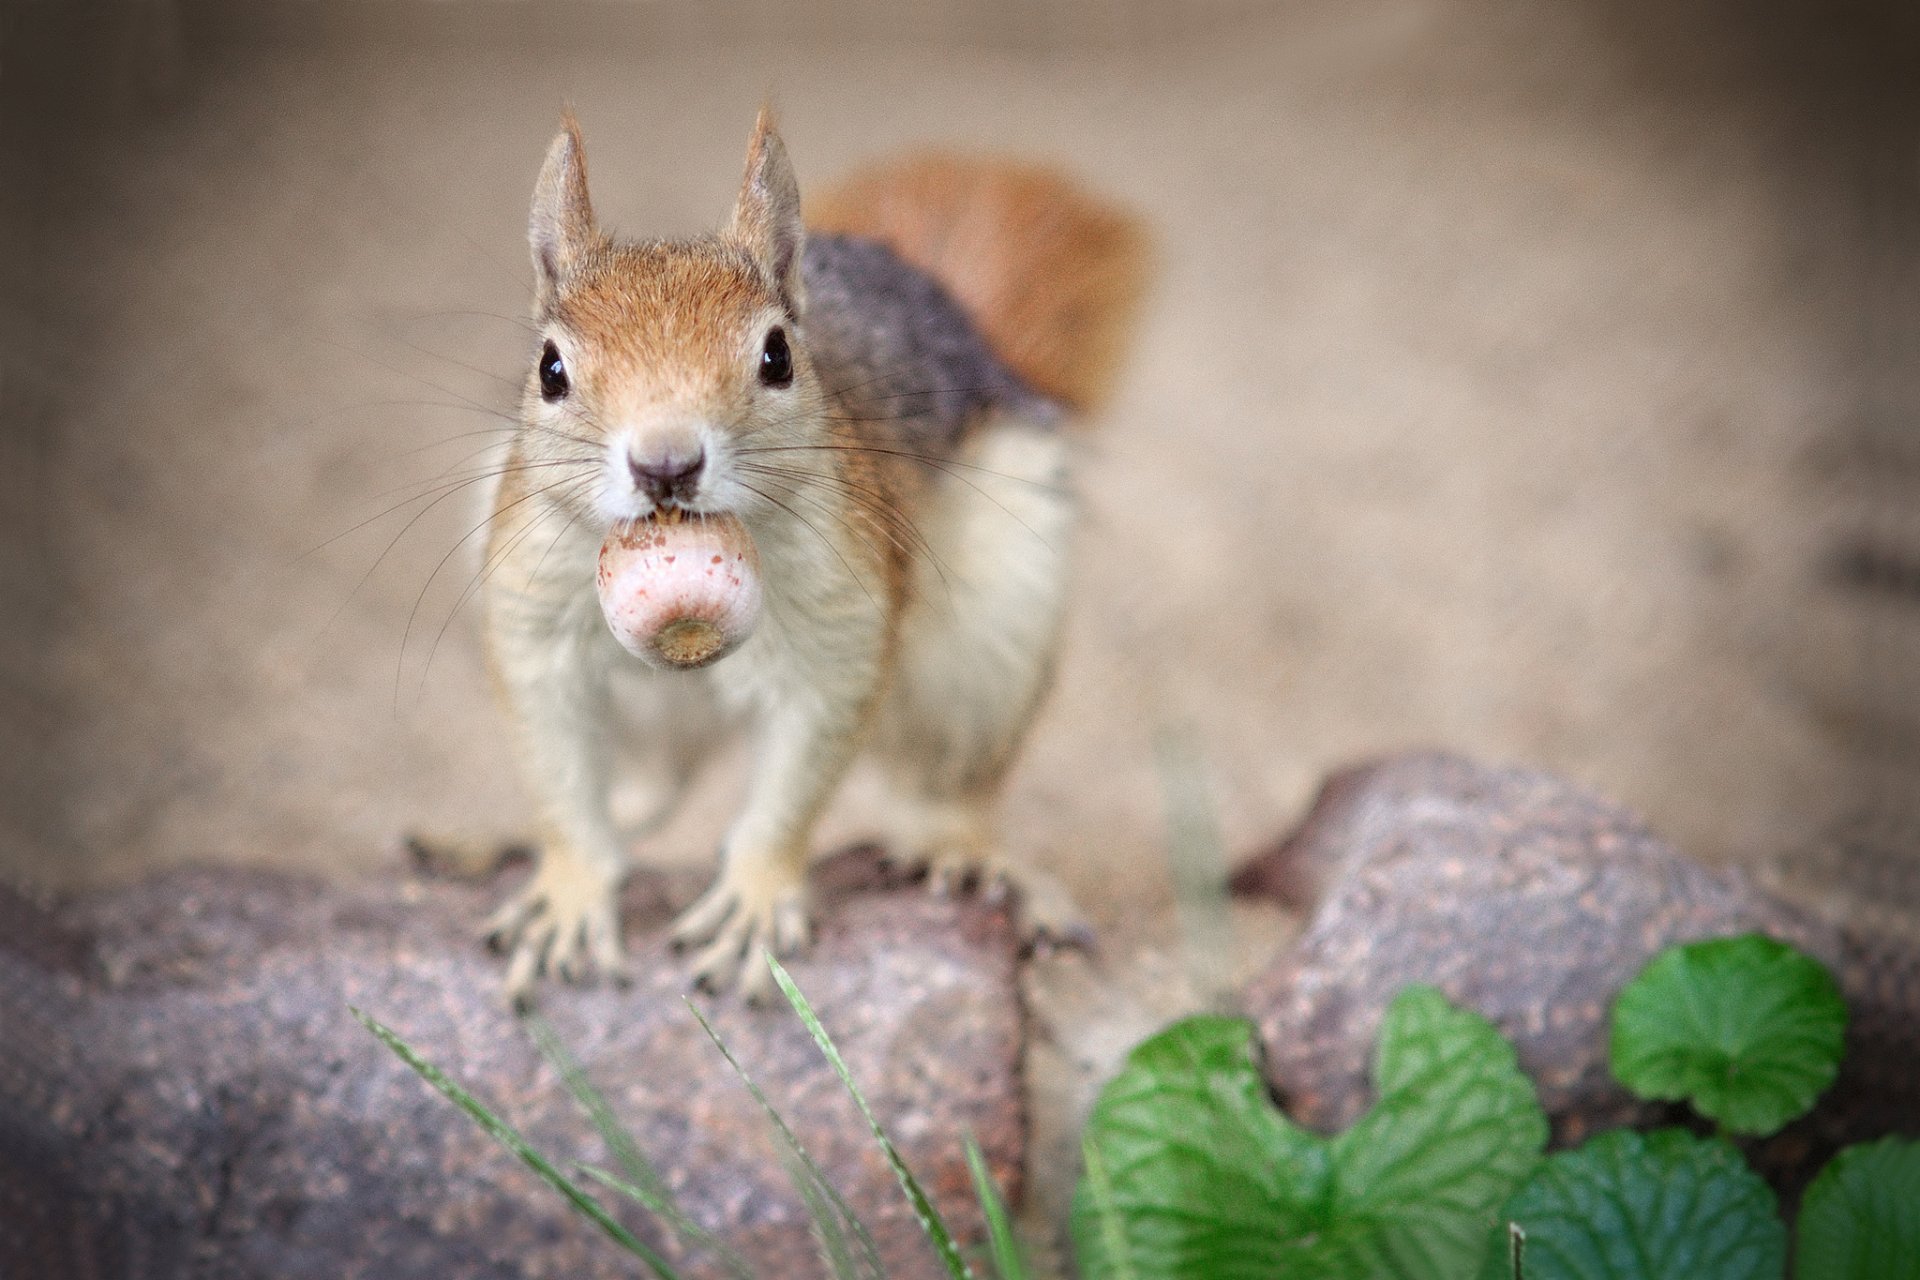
x=751 y=909
x=564 y=922
x=1045 y=914
x=462 y=857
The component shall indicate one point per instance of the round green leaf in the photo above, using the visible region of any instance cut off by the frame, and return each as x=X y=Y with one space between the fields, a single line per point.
x=1860 y=1220
x=1747 y=1029
x=1657 y=1206
x=1194 y=1172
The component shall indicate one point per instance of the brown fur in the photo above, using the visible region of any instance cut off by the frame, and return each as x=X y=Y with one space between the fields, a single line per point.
x=1053 y=276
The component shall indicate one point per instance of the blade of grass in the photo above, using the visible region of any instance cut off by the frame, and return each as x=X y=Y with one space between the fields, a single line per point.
x=1007 y=1262
x=686 y=1227
x=509 y=1137
x=1113 y=1236
x=869 y=1251
x=643 y=1183
x=1196 y=852
x=930 y=1220
x=640 y=1170
x=829 y=1233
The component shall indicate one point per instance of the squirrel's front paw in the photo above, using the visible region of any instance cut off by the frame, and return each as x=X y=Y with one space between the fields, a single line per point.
x=565 y=922
x=745 y=912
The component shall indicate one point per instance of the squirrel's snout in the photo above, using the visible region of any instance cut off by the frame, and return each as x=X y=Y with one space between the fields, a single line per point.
x=667 y=476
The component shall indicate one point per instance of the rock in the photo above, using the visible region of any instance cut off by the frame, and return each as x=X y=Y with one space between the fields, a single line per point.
x=193 y=1097
x=1534 y=902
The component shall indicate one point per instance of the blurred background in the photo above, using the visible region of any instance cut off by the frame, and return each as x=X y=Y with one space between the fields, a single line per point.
x=1540 y=381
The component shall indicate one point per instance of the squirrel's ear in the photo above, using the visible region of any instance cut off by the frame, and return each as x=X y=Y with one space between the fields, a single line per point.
x=560 y=229
x=767 y=216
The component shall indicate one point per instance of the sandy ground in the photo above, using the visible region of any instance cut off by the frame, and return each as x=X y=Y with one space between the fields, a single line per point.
x=1499 y=391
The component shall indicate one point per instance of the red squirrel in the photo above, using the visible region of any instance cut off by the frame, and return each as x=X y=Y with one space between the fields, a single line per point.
x=876 y=393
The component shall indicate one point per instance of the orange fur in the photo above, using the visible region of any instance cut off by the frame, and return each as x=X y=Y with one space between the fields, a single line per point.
x=1052 y=276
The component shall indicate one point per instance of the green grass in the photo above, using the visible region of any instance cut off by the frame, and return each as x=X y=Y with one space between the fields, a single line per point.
x=844 y=1244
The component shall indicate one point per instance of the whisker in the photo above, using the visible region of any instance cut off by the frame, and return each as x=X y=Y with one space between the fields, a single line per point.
x=799 y=492
x=366 y=577
x=490 y=567
x=816 y=533
x=932 y=460
x=407 y=634
x=894 y=523
x=520 y=321
x=314 y=419
x=431 y=485
x=944 y=466
x=398 y=372
x=572 y=520
x=511 y=383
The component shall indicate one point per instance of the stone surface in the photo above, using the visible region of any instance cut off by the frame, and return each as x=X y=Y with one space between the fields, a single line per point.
x=1533 y=901
x=183 y=1091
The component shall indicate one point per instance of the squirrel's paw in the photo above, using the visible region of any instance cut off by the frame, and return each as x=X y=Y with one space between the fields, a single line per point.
x=743 y=914
x=564 y=922
x=1045 y=914
x=1048 y=918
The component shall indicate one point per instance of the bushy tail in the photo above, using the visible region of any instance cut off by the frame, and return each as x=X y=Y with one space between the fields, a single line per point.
x=1052 y=275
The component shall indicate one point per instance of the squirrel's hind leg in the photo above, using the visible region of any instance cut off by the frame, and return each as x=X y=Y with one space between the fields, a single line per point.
x=976 y=659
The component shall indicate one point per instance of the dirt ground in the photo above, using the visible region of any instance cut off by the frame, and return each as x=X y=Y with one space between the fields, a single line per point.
x=1503 y=389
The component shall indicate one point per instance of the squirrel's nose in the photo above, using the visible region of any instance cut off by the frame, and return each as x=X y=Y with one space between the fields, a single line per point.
x=668 y=476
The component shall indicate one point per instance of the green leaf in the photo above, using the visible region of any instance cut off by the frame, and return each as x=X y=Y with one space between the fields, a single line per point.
x=1860 y=1220
x=1456 y=1129
x=1206 y=1177
x=929 y=1217
x=1657 y=1206
x=1748 y=1030
x=510 y=1138
x=1008 y=1264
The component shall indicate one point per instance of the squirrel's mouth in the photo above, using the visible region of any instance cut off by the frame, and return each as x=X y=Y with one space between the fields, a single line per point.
x=672 y=513
x=676 y=510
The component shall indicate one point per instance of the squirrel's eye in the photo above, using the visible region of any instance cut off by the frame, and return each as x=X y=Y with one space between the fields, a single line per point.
x=776 y=361
x=553 y=373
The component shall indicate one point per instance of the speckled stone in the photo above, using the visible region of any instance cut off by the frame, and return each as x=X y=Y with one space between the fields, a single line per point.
x=183 y=1091
x=1533 y=901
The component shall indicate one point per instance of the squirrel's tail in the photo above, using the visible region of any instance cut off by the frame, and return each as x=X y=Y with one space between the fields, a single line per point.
x=1052 y=275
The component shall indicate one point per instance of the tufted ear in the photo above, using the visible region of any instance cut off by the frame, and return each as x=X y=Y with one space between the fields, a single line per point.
x=560 y=229
x=766 y=218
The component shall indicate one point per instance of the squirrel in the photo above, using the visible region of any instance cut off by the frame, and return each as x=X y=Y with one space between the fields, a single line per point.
x=877 y=392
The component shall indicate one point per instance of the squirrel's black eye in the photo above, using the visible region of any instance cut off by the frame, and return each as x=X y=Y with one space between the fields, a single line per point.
x=776 y=361
x=553 y=373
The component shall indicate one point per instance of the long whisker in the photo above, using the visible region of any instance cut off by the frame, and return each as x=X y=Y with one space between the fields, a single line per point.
x=435 y=484
x=799 y=492
x=519 y=321
x=398 y=372
x=358 y=586
x=816 y=533
x=938 y=464
x=893 y=522
x=572 y=520
x=932 y=460
x=490 y=567
x=513 y=384
x=414 y=613
x=314 y=419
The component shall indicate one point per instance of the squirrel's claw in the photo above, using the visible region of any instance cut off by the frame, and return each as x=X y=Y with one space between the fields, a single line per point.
x=733 y=924
x=1045 y=914
x=561 y=925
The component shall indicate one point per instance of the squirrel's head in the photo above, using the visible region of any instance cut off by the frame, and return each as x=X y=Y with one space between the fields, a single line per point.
x=672 y=360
